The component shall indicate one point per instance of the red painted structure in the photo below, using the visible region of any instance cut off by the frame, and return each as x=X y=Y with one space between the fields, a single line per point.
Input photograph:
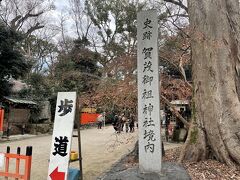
x=87 y=118
x=19 y=158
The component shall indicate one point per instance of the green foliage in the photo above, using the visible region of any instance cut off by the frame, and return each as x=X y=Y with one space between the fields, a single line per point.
x=121 y=15
x=39 y=88
x=76 y=70
x=12 y=62
x=81 y=42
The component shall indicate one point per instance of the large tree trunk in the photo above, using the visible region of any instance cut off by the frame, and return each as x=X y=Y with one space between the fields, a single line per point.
x=215 y=129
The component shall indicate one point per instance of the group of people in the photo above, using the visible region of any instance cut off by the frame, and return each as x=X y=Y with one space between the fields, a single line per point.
x=121 y=121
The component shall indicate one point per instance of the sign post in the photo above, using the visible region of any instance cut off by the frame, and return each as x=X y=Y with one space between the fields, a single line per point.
x=62 y=136
x=79 y=140
x=104 y=119
x=150 y=152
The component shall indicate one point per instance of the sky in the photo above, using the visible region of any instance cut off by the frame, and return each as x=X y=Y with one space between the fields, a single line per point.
x=62 y=7
x=61 y=4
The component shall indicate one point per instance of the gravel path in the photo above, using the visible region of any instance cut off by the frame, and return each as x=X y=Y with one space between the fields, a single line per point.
x=100 y=150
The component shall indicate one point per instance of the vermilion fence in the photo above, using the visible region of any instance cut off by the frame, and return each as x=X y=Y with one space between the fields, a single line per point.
x=18 y=159
x=1 y=119
x=87 y=118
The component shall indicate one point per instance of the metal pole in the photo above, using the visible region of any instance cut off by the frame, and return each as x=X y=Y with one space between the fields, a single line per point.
x=79 y=139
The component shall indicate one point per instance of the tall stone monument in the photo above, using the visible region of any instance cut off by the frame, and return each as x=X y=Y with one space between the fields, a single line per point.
x=148 y=93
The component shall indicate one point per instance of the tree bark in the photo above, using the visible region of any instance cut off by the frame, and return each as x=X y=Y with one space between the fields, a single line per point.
x=215 y=129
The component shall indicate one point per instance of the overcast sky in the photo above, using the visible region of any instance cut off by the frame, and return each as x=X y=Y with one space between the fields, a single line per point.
x=61 y=4
x=62 y=7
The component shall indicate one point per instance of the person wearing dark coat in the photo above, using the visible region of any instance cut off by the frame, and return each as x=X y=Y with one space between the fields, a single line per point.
x=115 y=123
x=131 y=123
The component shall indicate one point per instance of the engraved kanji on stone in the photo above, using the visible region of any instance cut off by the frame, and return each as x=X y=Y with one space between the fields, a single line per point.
x=149 y=147
x=149 y=135
x=147 y=79
x=147 y=94
x=148 y=109
x=148 y=123
x=147 y=23
x=147 y=35
x=147 y=52
x=147 y=66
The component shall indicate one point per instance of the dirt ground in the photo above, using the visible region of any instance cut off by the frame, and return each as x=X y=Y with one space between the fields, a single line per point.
x=100 y=150
x=206 y=170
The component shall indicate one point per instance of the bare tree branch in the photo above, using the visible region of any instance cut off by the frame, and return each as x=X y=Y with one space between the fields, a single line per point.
x=178 y=3
x=33 y=28
x=13 y=22
x=173 y=22
x=179 y=15
x=24 y=18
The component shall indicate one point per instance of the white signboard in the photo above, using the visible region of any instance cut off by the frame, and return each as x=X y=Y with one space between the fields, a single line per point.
x=62 y=136
x=150 y=152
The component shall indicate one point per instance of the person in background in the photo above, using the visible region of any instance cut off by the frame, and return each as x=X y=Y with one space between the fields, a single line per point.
x=131 y=123
x=121 y=124
x=23 y=128
x=115 y=122
x=127 y=122
x=100 y=121
x=123 y=121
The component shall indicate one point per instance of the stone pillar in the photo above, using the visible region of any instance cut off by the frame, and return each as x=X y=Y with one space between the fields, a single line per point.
x=150 y=151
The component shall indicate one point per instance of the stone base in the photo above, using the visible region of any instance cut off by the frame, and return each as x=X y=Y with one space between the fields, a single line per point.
x=170 y=171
